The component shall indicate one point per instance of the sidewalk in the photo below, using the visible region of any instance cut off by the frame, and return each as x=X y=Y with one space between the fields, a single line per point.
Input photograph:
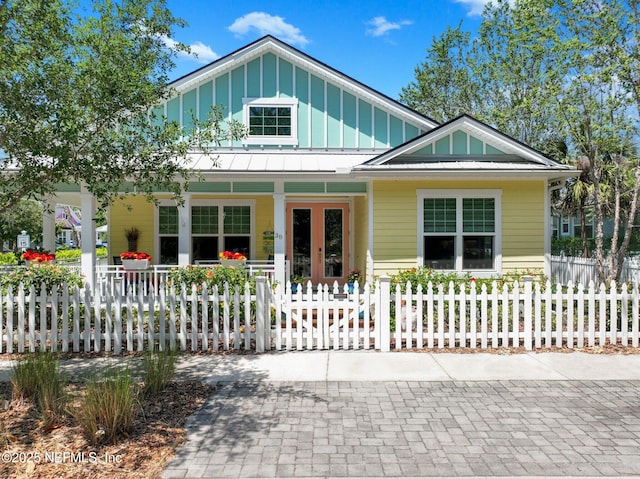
x=312 y=366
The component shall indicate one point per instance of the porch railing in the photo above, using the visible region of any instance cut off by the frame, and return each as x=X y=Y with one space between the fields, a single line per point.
x=119 y=278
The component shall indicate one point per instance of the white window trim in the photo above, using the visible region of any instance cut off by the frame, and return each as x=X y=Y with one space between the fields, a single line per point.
x=276 y=102
x=459 y=195
x=220 y=204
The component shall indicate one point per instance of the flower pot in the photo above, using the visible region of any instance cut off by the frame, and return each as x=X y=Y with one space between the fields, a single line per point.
x=36 y=264
x=233 y=263
x=135 y=263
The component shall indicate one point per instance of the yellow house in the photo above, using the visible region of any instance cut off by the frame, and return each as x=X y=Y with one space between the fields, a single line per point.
x=335 y=176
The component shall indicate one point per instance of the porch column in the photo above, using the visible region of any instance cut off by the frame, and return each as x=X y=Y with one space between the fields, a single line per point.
x=370 y=232
x=88 y=238
x=279 y=235
x=184 y=231
x=49 y=226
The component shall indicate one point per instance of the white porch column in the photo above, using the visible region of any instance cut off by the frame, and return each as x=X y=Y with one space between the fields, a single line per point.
x=279 y=235
x=370 y=230
x=184 y=231
x=49 y=226
x=88 y=253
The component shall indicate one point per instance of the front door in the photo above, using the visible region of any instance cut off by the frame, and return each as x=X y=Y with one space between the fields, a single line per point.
x=318 y=243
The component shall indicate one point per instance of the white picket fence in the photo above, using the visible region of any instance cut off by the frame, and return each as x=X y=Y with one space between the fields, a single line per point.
x=583 y=270
x=527 y=315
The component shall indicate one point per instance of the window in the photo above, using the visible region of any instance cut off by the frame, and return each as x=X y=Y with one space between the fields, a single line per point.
x=271 y=121
x=168 y=234
x=459 y=231
x=217 y=228
x=214 y=228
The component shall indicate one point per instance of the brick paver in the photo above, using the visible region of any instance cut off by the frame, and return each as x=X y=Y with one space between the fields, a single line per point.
x=402 y=429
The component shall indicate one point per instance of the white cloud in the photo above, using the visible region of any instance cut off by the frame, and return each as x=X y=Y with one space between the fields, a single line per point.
x=199 y=51
x=476 y=7
x=267 y=24
x=381 y=26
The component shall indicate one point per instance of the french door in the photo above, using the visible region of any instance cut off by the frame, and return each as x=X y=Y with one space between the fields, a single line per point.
x=318 y=242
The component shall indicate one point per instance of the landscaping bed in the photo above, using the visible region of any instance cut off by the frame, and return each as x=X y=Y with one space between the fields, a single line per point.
x=61 y=451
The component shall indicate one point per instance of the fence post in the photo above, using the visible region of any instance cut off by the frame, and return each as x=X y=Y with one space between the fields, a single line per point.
x=528 y=305
x=260 y=320
x=385 y=313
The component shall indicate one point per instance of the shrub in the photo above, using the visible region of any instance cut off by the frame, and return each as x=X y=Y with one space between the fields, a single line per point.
x=8 y=258
x=109 y=406
x=159 y=367
x=211 y=275
x=424 y=276
x=49 y=274
x=74 y=254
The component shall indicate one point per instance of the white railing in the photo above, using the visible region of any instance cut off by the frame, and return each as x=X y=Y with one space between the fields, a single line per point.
x=583 y=270
x=528 y=316
x=116 y=276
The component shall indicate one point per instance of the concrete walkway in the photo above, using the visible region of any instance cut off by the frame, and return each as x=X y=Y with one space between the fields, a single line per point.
x=371 y=414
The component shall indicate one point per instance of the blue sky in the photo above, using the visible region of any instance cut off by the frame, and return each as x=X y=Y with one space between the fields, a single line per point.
x=377 y=42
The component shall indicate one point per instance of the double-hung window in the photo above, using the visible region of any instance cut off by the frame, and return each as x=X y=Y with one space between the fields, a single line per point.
x=271 y=121
x=220 y=227
x=459 y=231
x=215 y=227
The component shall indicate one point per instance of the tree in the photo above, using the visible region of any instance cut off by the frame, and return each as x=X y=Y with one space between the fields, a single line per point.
x=26 y=215
x=76 y=90
x=564 y=72
x=445 y=86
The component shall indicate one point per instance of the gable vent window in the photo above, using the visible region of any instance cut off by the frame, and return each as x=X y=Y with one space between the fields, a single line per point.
x=271 y=121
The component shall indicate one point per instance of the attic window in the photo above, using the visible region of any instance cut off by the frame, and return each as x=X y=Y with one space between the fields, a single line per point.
x=271 y=121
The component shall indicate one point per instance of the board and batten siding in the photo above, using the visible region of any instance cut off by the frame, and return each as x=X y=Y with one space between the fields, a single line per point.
x=396 y=208
x=328 y=115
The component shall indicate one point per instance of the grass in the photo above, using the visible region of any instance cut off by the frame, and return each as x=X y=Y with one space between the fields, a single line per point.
x=159 y=368
x=109 y=407
x=36 y=377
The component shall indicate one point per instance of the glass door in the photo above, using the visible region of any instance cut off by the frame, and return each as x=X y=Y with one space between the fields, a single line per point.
x=318 y=241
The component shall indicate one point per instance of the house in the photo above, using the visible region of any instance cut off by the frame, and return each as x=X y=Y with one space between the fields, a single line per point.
x=335 y=175
x=69 y=225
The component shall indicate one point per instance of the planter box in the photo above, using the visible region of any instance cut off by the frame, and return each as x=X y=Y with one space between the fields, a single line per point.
x=135 y=263
x=35 y=264
x=234 y=263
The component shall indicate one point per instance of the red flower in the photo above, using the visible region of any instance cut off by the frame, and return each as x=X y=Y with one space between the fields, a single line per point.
x=135 y=255
x=232 y=255
x=38 y=256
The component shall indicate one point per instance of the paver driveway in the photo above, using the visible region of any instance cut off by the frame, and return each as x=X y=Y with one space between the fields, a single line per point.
x=412 y=429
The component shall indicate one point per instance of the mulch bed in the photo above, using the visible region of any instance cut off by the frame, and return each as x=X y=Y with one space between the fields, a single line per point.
x=61 y=451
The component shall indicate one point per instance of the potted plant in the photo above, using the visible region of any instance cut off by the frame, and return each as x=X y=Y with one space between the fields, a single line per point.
x=132 y=235
x=296 y=280
x=233 y=259
x=33 y=257
x=135 y=260
x=354 y=276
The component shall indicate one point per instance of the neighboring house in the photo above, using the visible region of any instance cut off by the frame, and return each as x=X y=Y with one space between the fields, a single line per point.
x=335 y=176
x=564 y=226
x=69 y=226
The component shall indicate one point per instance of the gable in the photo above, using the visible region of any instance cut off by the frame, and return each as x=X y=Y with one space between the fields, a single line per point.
x=463 y=143
x=327 y=108
x=459 y=142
